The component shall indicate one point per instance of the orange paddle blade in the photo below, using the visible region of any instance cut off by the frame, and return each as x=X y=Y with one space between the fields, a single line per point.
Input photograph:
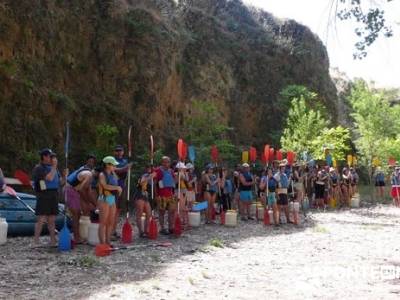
x=180 y=148
x=279 y=155
x=271 y=154
x=102 y=250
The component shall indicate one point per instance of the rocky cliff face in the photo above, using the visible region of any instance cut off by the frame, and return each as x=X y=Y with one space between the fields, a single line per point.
x=142 y=62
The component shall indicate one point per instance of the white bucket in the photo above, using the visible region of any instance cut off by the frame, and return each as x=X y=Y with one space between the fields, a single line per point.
x=355 y=202
x=271 y=216
x=3 y=231
x=253 y=208
x=84 y=223
x=93 y=234
x=194 y=218
x=260 y=210
x=231 y=218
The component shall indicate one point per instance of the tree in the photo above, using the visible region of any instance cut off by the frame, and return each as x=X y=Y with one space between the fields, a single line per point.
x=336 y=139
x=205 y=128
x=373 y=23
x=376 y=124
x=303 y=126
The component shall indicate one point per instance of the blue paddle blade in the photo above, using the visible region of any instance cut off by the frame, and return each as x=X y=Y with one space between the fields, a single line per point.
x=64 y=239
x=200 y=206
x=192 y=153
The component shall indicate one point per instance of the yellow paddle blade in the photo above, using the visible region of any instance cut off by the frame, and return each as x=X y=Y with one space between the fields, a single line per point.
x=245 y=156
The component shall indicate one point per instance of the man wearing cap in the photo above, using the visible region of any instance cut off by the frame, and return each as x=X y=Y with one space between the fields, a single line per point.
x=246 y=182
x=165 y=178
x=282 y=190
x=121 y=171
x=47 y=181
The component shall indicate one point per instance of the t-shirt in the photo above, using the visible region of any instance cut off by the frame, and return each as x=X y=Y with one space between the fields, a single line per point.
x=40 y=172
x=122 y=162
x=164 y=191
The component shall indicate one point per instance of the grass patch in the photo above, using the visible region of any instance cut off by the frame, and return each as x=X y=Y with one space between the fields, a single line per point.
x=216 y=242
x=83 y=262
x=320 y=229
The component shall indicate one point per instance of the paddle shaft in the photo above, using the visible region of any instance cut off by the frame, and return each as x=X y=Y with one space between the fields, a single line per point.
x=13 y=194
x=129 y=171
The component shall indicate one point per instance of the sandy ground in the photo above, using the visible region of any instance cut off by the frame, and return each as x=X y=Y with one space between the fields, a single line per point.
x=340 y=254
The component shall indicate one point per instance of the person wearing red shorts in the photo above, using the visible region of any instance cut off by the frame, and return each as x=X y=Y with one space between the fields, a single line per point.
x=395 y=180
x=165 y=179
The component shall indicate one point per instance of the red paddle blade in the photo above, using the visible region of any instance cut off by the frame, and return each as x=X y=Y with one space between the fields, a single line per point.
x=266 y=217
x=279 y=155
x=102 y=250
x=23 y=177
x=178 y=226
x=213 y=214
x=290 y=157
x=179 y=147
x=184 y=151
x=126 y=235
x=271 y=154
x=153 y=230
x=253 y=154
x=266 y=152
x=222 y=216
x=263 y=158
x=214 y=153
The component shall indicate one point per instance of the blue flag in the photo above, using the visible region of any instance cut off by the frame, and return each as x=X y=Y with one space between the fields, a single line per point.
x=192 y=153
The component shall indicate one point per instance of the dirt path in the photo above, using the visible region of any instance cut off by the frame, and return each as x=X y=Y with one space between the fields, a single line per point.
x=334 y=255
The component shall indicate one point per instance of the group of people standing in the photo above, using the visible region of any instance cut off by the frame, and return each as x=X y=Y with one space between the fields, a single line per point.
x=173 y=188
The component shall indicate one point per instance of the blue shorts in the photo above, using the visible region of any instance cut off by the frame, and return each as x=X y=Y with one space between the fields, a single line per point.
x=246 y=196
x=109 y=199
x=271 y=198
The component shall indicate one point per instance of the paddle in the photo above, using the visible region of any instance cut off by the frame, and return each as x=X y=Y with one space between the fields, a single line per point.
x=271 y=155
x=245 y=156
x=153 y=230
x=127 y=231
x=64 y=239
x=105 y=249
x=279 y=155
x=192 y=154
x=178 y=225
x=266 y=154
x=9 y=190
x=253 y=158
x=23 y=177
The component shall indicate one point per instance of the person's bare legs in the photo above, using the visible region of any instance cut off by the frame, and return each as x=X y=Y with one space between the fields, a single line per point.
x=161 y=216
x=103 y=217
x=139 y=213
x=38 y=228
x=51 y=225
x=171 y=216
x=76 y=214
x=110 y=224
x=147 y=210
x=275 y=211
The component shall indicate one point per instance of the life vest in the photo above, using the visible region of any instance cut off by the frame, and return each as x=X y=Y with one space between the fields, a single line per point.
x=53 y=184
x=72 y=178
x=167 y=180
x=272 y=183
x=283 y=181
x=247 y=176
x=111 y=179
x=380 y=177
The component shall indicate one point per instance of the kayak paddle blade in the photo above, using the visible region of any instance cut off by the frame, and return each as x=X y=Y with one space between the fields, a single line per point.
x=127 y=231
x=64 y=239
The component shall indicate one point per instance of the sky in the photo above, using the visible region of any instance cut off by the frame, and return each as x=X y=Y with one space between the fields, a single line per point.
x=382 y=65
